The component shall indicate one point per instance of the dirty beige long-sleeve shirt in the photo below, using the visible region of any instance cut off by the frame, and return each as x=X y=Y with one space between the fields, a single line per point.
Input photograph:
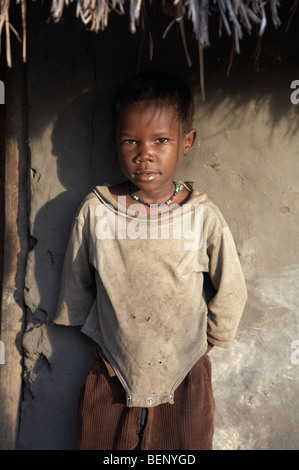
x=149 y=314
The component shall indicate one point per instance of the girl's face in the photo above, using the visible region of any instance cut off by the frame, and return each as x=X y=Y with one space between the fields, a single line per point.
x=151 y=143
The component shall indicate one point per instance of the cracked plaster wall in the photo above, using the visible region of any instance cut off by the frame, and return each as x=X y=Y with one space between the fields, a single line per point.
x=246 y=159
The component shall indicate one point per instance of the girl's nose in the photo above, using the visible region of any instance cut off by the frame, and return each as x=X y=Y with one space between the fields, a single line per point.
x=144 y=153
x=144 y=158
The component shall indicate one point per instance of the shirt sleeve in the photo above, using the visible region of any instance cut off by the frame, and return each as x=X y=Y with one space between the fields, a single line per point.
x=76 y=286
x=226 y=307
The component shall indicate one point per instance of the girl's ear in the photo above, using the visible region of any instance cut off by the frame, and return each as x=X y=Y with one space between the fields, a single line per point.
x=190 y=138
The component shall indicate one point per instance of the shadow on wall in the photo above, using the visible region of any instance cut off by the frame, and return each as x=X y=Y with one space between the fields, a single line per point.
x=116 y=49
x=85 y=157
x=58 y=358
x=82 y=144
x=265 y=68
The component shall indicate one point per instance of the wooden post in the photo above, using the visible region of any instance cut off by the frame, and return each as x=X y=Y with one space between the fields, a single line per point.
x=15 y=250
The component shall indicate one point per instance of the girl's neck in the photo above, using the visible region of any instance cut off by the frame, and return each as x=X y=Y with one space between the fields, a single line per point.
x=122 y=190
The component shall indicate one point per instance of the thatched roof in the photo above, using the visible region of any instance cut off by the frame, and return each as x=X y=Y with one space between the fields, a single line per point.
x=235 y=17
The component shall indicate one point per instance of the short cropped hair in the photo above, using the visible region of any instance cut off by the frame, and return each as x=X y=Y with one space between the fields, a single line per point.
x=156 y=86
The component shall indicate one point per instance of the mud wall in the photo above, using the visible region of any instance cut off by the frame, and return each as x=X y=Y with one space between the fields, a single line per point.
x=245 y=159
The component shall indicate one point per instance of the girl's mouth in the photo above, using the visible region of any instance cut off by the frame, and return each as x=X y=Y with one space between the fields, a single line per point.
x=145 y=175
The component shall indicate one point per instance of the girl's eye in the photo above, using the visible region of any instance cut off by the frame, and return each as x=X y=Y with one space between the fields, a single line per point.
x=129 y=141
x=162 y=140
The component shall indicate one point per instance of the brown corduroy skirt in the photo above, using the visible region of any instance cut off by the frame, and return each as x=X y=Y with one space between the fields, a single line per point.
x=105 y=423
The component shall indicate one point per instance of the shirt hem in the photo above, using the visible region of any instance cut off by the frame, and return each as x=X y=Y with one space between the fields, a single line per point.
x=145 y=402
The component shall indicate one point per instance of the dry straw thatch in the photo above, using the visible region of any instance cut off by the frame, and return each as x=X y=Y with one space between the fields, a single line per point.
x=235 y=16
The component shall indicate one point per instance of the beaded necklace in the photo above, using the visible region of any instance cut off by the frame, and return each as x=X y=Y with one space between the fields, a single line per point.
x=136 y=198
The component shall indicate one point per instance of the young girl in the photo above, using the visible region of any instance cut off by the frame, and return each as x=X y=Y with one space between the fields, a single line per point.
x=146 y=243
